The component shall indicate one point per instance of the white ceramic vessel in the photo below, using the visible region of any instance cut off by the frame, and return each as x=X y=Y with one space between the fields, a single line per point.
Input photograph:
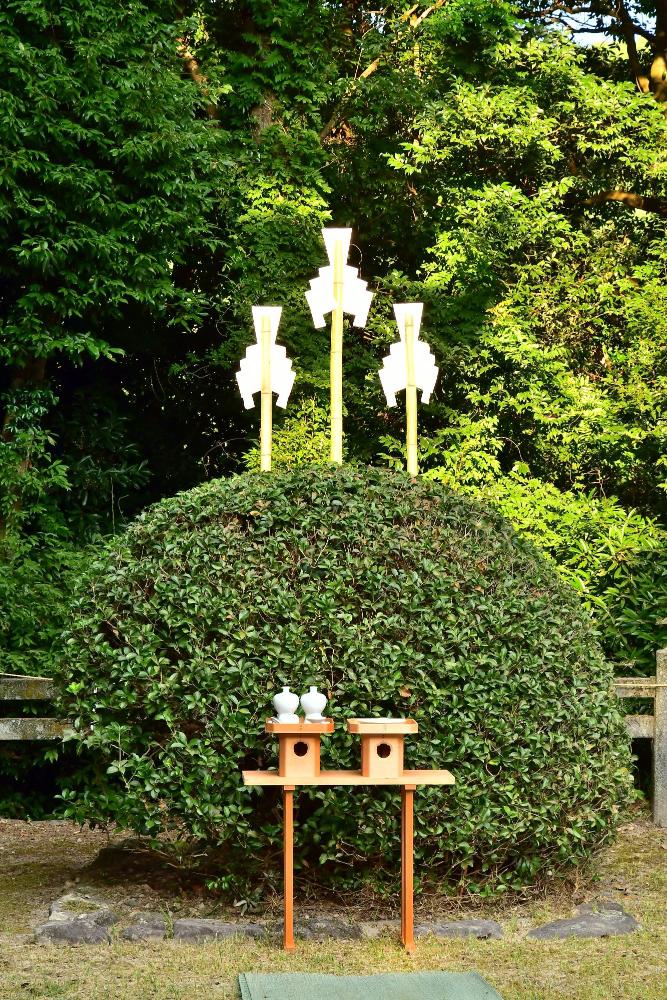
x=285 y=705
x=313 y=704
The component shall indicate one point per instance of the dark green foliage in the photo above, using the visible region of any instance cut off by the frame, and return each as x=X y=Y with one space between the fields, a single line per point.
x=34 y=602
x=396 y=597
x=466 y=150
x=105 y=180
x=103 y=164
x=470 y=151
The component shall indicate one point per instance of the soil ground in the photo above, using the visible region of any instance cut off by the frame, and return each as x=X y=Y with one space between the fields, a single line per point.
x=40 y=860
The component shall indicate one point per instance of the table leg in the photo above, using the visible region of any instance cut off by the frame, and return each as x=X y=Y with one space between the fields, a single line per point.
x=288 y=866
x=407 y=834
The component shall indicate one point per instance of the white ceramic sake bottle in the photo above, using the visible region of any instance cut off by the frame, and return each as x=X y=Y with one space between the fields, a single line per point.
x=285 y=705
x=313 y=703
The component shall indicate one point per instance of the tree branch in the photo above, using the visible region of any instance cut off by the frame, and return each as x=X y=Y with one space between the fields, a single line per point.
x=598 y=10
x=630 y=200
x=414 y=22
x=628 y=29
x=193 y=69
x=408 y=15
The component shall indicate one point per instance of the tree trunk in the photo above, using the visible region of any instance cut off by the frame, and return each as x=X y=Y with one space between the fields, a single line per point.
x=628 y=29
x=655 y=82
x=659 y=65
x=193 y=69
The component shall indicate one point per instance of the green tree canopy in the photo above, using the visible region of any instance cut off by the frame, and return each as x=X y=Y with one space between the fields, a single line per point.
x=170 y=169
x=107 y=173
x=639 y=25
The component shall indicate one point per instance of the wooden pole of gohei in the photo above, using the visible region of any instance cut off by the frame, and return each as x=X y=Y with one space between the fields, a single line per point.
x=660 y=741
x=410 y=397
x=336 y=363
x=288 y=866
x=266 y=418
x=407 y=863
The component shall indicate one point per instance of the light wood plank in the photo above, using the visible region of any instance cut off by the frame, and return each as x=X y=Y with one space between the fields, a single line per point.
x=299 y=728
x=20 y=687
x=635 y=687
x=426 y=777
x=382 y=728
x=640 y=726
x=33 y=729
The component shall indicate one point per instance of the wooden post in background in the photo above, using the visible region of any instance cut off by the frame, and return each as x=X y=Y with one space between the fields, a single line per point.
x=660 y=740
x=651 y=727
x=336 y=361
x=288 y=866
x=410 y=397
x=266 y=414
x=407 y=867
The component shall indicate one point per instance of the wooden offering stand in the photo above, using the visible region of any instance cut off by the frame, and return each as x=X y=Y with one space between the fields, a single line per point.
x=381 y=764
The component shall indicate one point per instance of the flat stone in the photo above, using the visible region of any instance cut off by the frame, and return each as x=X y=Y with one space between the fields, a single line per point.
x=601 y=906
x=148 y=917
x=376 y=928
x=81 y=906
x=147 y=927
x=482 y=929
x=603 y=918
x=202 y=928
x=320 y=928
x=72 y=932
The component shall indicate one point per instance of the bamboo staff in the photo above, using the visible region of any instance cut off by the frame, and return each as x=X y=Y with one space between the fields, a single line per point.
x=266 y=413
x=337 y=289
x=411 y=397
x=265 y=369
x=410 y=366
x=336 y=360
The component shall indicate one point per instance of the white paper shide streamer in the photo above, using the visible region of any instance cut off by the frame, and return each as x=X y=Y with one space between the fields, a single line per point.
x=265 y=369
x=356 y=299
x=249 y=375
x=410 y=366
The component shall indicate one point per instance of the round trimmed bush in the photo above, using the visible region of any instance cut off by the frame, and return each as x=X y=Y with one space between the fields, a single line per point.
x=395 y=597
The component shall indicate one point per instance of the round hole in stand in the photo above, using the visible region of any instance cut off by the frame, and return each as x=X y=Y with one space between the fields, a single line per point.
x=300 y=749
x=383 y=750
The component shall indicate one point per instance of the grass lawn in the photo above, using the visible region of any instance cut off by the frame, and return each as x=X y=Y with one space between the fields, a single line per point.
x=37 y=859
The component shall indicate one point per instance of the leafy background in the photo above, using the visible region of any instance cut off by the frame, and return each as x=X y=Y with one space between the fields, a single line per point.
x=165 y=167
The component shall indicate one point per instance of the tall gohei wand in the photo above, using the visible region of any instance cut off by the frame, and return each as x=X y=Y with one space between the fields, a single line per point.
x=265 y=369
x=409 y=365
x=338 y=289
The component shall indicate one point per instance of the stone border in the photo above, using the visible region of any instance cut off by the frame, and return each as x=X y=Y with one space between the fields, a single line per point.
x=80 y=918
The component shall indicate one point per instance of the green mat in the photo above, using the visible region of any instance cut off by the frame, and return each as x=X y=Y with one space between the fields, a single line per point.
x=391 y=986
